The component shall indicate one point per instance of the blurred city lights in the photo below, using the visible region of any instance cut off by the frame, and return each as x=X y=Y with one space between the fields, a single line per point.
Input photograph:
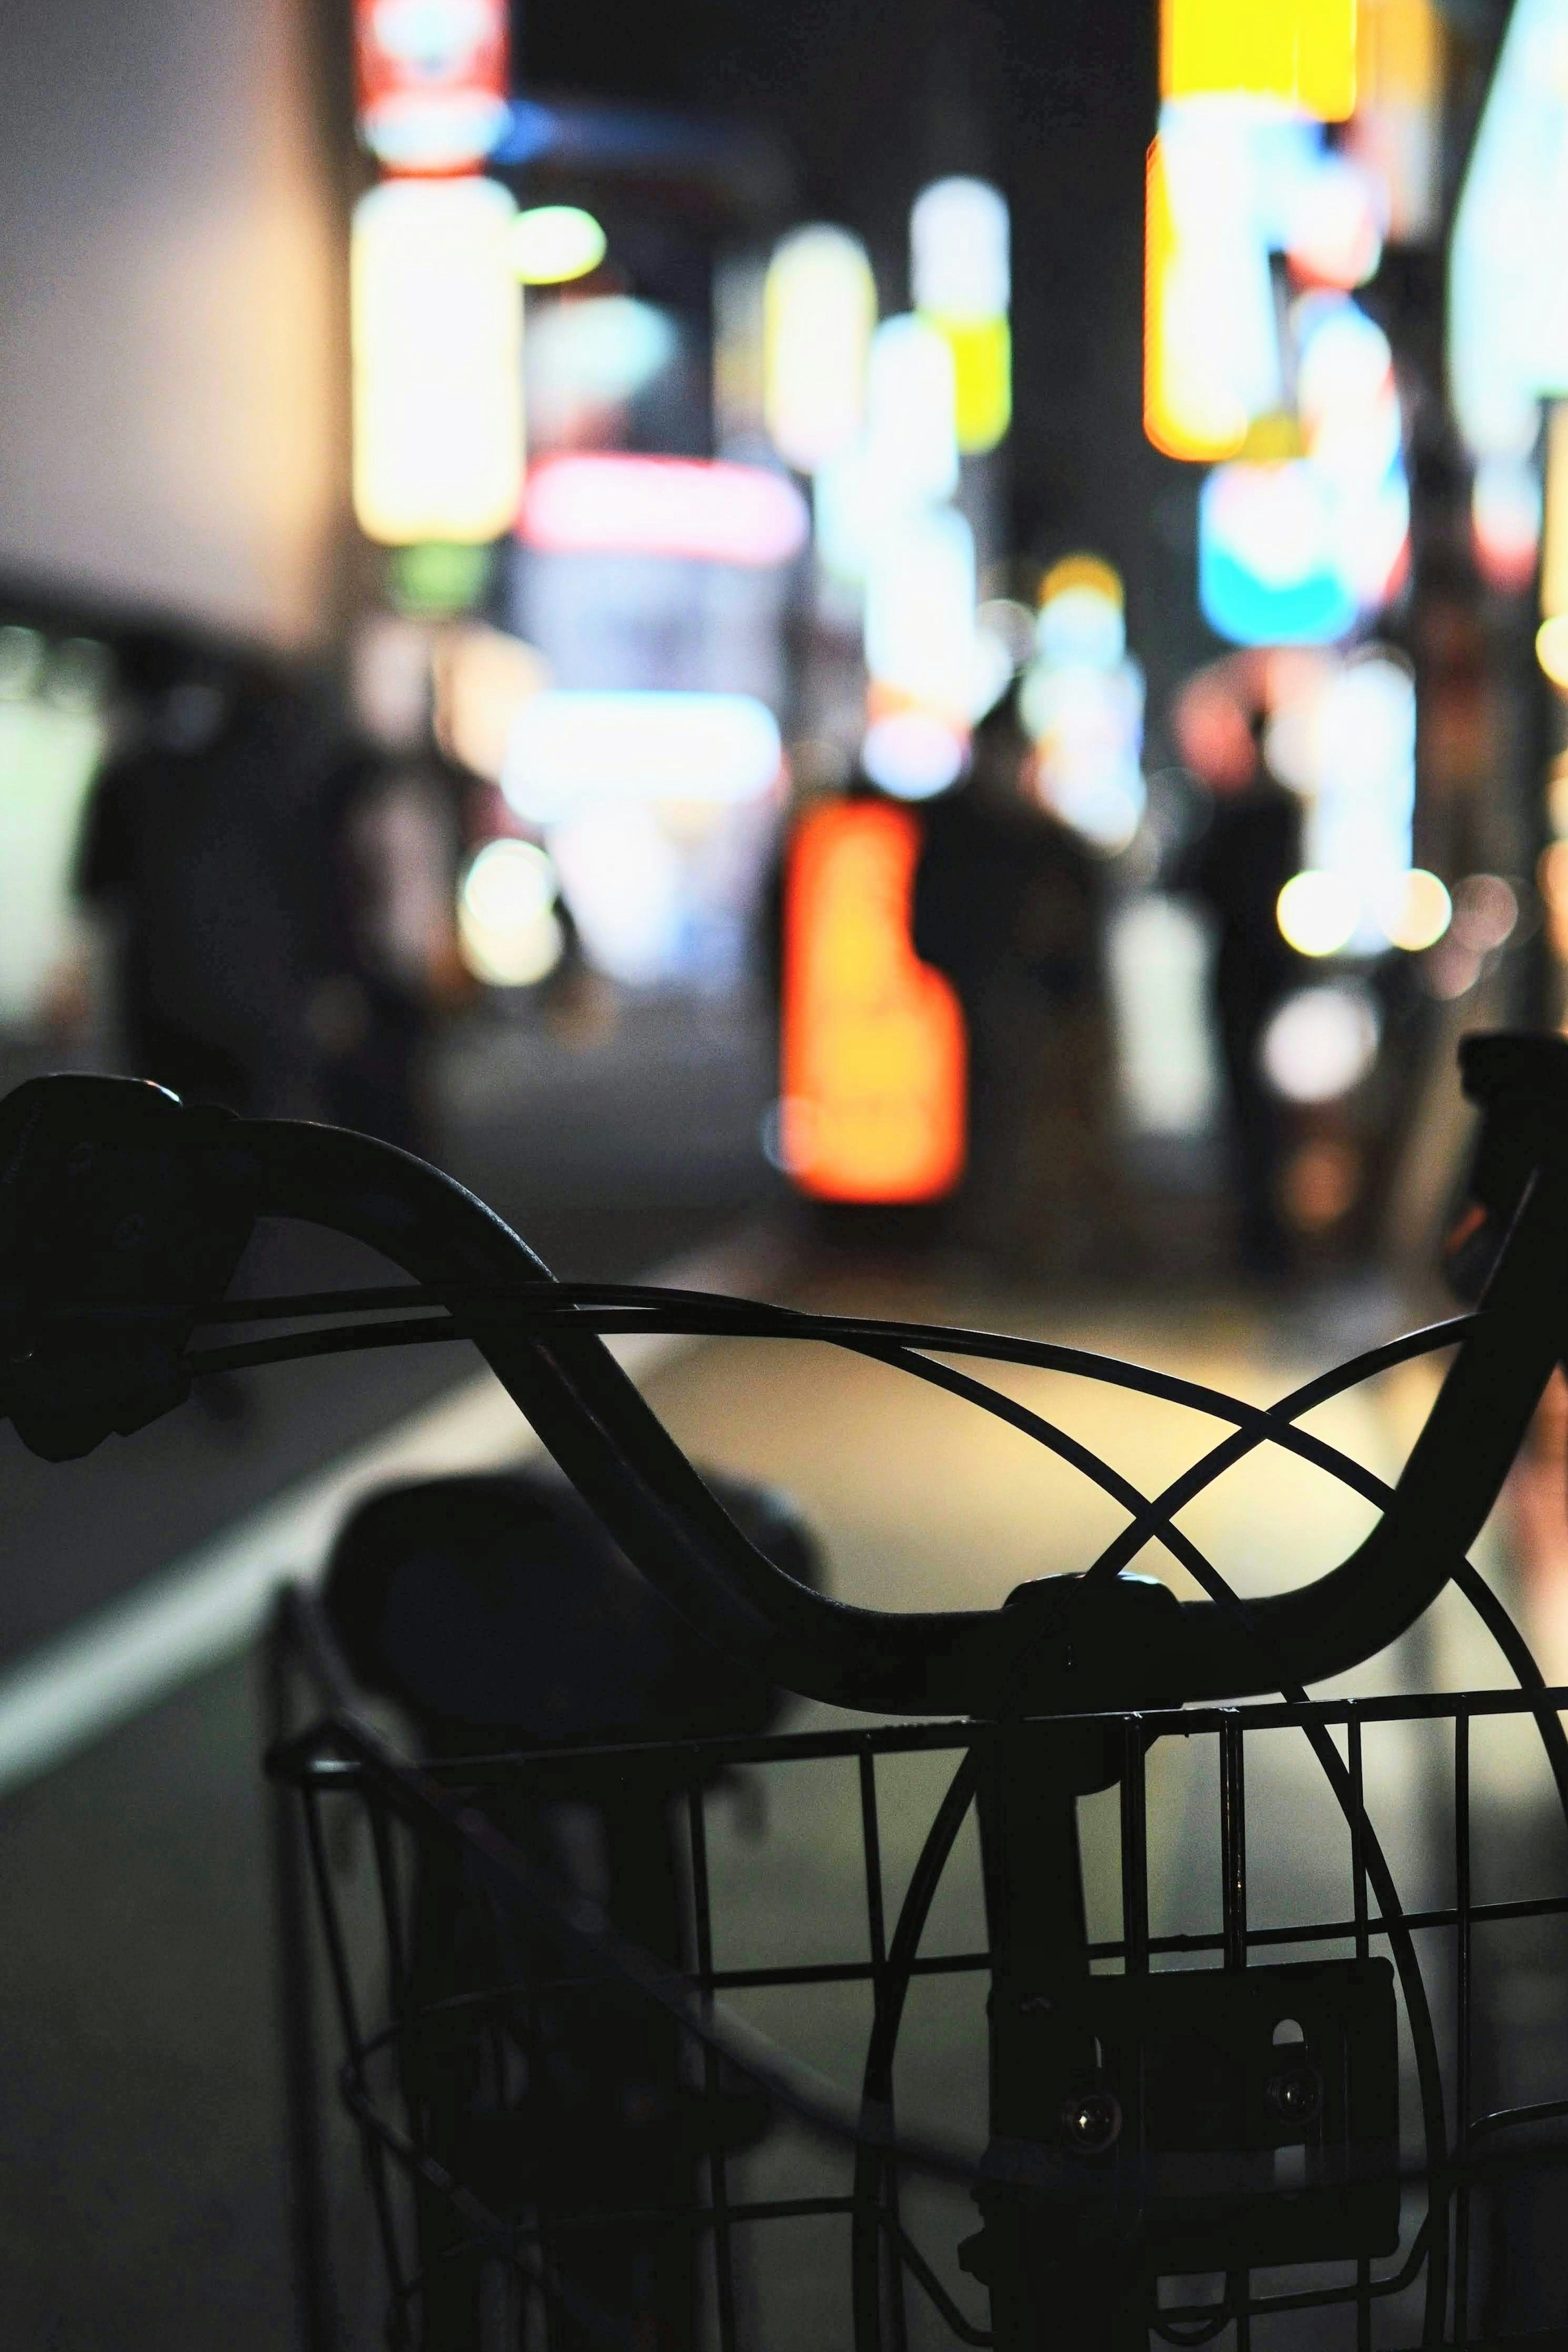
x=1334 y=236
x=711 y=510
x=1158 y=956
x=587 y=357
x=1318 y=913
x=552 y=244
x=1486 y=913
x=874 y=1057
x=1551 y=640
x=1321 y=1043
x=1082 y=616
x=914 y=754
x=433 y=579
x=958 y=235
x=1294 y=551
x=52 y=737
x=1081 y=700
x=1485 y=918
x=1393 y=132
x=1505 y=521
x=1267 y=568
x=1350 y=729
x=1211 y=360
x=960 y=278
x=1417 y=911
x=993 y=666
x=482 y=679
x=1508 y=258
x=920 y=609
x=571 y=746
x=1300 y=51
x=911 y=417
x=434 y=82
x=437 y=361
x=1013 y=623
x=905 y=461
x=819 y=310
x=1231 y=181
x=1552 y=878
x=508 y=931
x=620 y=876
x=982 y=355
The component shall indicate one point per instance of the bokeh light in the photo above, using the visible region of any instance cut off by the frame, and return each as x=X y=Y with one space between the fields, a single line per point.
x=1419 y=911
x=960 y=280
x=1318 y=913
x=1321 y=1043
x=574 y=745
x=1505 y=521
x=552 y=244
x=819 y=310
x=913 y=754
x=508 y=931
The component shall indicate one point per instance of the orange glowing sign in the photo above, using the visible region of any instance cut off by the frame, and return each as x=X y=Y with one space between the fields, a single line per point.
x=874 y=1054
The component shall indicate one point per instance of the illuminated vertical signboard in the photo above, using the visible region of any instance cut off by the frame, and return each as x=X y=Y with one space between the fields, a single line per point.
x=1211 y=356
x=433 y=79
x=960 y=274
x=437 y=326
x=1508 y=256
x=819 y=311
x=874 y=1049
x=1302 y=52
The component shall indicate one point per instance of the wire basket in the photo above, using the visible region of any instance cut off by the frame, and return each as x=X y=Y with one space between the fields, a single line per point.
x=732 y=2198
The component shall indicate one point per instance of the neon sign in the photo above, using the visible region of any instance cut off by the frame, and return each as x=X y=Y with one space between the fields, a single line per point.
x=874 y=1049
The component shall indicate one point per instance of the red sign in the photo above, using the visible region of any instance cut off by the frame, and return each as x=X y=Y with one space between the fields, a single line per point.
x=874 y=1052
x=434 y=82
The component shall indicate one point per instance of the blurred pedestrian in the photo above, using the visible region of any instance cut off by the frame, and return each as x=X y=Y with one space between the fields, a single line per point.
x=399 y=816
x=1236 y=868
x=202 y=850
x=1009 y=903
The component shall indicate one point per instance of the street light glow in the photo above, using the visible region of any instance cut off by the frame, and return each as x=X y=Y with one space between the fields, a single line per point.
x=552 y=244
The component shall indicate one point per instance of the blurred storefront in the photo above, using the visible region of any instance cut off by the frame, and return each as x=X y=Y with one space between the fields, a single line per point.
x=623 y=513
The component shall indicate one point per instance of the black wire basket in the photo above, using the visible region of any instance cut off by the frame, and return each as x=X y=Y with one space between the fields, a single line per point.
x=1327 y=2070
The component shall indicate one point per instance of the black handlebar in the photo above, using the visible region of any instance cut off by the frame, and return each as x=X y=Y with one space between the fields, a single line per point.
x=110 y=1189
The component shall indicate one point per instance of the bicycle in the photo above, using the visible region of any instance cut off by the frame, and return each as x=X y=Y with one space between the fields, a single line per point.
x=1147 y=2122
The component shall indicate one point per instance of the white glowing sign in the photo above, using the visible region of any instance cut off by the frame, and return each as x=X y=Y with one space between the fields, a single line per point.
x=958 y=250
x=437 y=361
x=920 y=612
x=574 y=746
x=1508 y=262
x=818 y=310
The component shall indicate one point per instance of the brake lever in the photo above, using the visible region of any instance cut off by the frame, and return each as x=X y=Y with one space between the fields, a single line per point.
x=113 y=1193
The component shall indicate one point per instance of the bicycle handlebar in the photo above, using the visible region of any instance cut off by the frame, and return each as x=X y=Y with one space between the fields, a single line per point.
x=111 y=1188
